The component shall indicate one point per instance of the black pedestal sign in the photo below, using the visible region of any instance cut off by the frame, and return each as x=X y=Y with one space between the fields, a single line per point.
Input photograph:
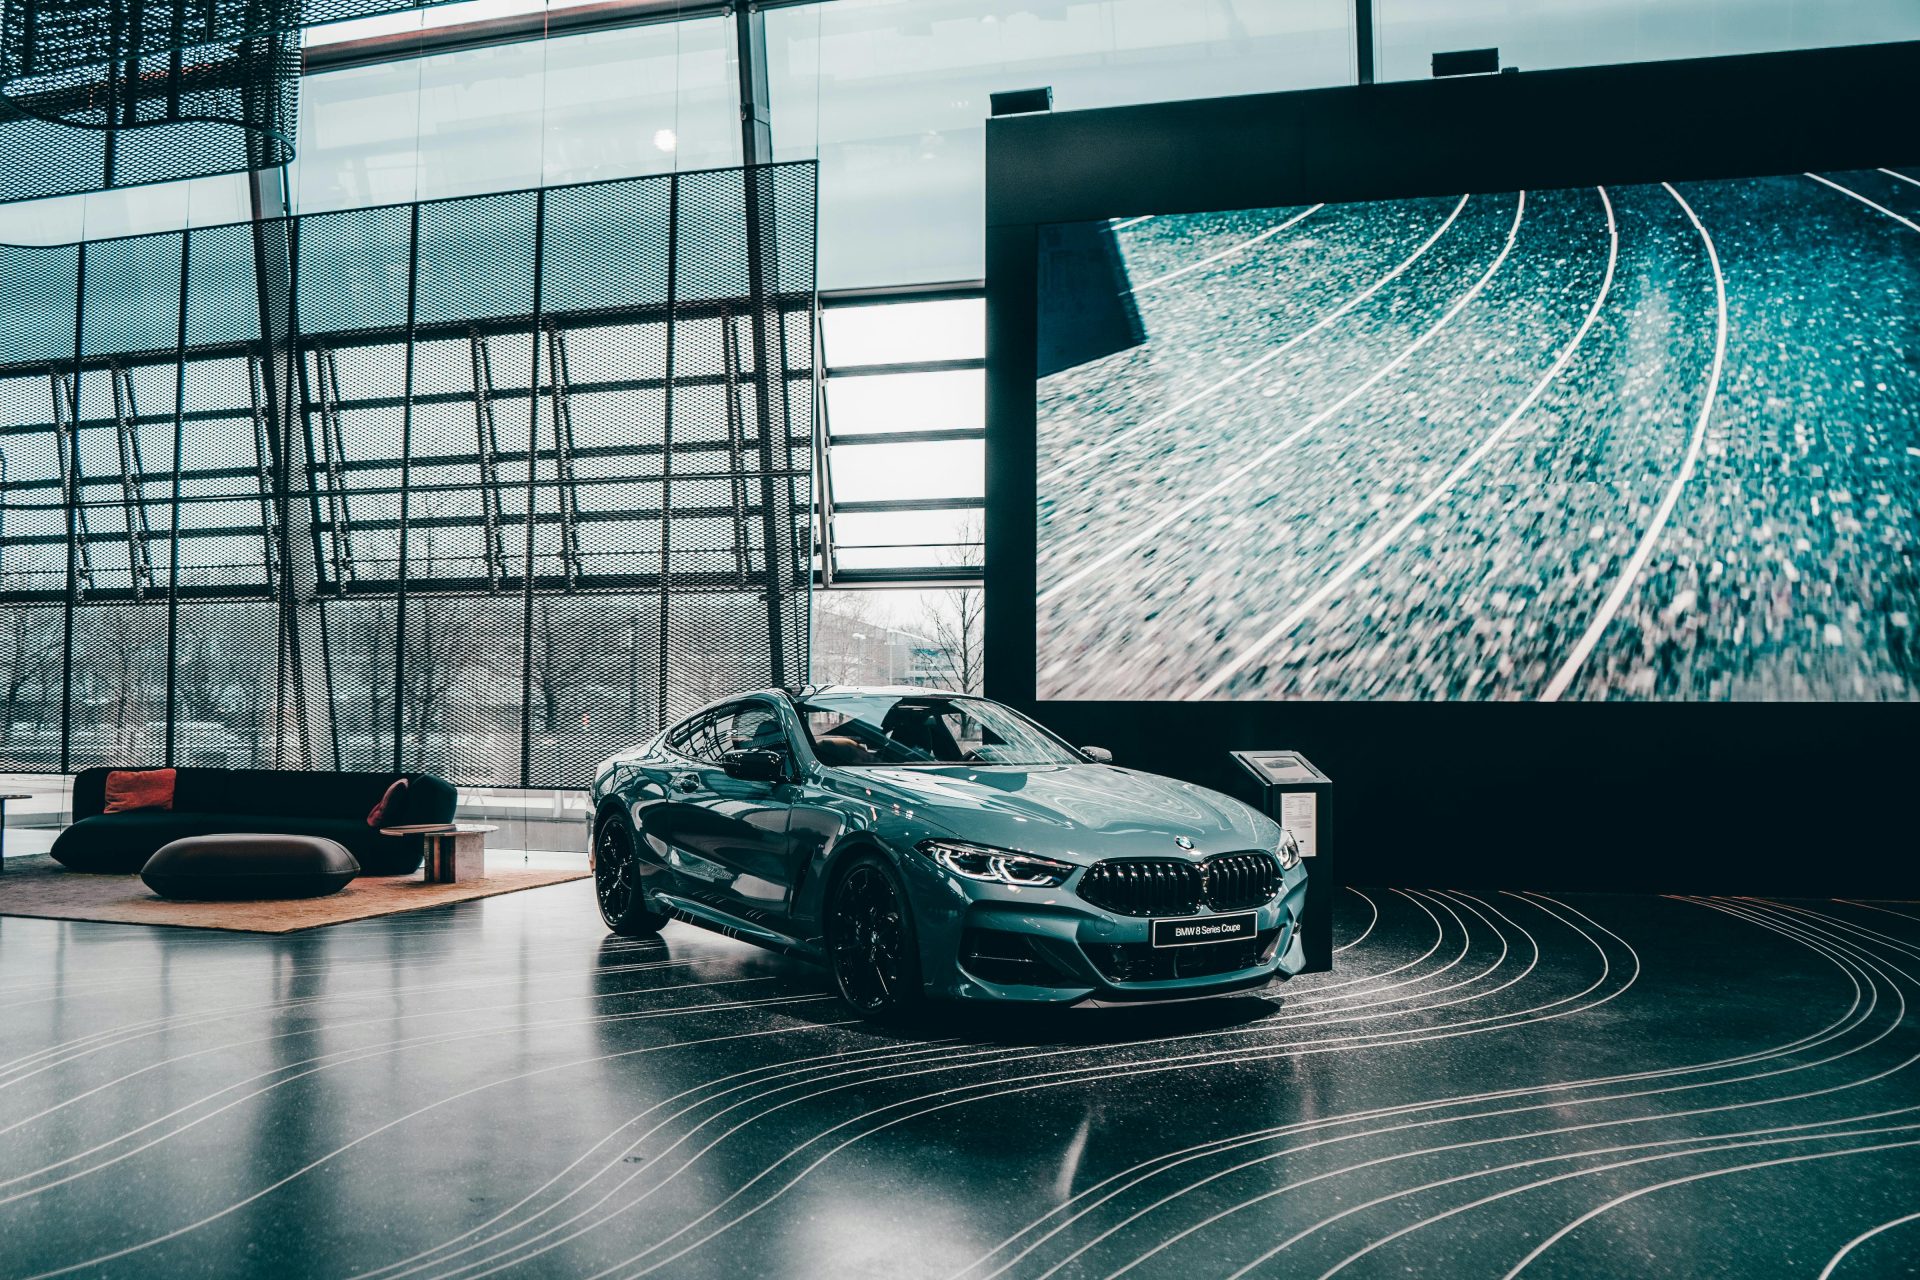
x=1295 y=794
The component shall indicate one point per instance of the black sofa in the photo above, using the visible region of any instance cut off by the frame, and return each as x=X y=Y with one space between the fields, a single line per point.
x=214 y=801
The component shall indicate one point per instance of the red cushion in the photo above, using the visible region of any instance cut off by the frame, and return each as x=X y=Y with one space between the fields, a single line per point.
x=389 y=804
x=139 y=789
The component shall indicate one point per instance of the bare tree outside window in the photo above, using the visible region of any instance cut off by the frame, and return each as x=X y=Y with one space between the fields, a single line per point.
x=955 y=619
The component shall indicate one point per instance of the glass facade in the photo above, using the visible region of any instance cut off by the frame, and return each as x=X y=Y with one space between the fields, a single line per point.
x=888 y=96
x=1536 y=35
x=891 y=97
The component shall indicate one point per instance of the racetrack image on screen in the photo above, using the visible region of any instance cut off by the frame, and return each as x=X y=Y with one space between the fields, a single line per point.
x=1650 y=442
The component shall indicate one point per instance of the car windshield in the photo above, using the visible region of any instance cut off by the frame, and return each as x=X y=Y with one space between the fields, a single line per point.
x=857 y=729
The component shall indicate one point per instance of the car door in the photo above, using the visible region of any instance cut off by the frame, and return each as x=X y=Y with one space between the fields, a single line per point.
x=731 y=834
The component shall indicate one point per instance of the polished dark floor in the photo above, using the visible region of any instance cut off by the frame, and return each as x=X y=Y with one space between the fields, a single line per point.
x=1491 y=1084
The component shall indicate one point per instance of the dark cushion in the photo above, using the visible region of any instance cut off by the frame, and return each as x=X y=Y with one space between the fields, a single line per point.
x=208 y=801
x=240 y=865
x=121 y=843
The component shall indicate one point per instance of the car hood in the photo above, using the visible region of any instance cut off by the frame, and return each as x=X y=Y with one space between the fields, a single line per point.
x=1082 y=812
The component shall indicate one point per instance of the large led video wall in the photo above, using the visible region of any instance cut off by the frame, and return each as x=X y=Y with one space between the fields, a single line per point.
x=1641 y=442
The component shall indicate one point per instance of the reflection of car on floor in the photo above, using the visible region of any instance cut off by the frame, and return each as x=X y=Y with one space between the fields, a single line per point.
x=933 y=844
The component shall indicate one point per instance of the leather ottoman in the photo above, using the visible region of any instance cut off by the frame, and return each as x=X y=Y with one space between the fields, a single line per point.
x=239 y=866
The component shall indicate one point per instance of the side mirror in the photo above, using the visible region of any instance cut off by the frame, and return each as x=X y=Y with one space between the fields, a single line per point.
x=1099 y=755
x=755 y=766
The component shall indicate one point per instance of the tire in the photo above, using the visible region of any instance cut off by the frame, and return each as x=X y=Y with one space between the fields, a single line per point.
x=616 y=880
x=873 y=948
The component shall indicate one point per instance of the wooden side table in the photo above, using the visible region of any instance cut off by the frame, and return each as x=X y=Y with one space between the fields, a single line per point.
x=453 y=851
x=11 y=795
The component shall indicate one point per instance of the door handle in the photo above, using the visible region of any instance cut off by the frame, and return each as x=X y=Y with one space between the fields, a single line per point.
x=686 y=782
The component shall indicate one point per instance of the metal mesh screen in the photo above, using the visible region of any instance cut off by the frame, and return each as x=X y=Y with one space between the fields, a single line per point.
x=109 y=93
x=510 y=481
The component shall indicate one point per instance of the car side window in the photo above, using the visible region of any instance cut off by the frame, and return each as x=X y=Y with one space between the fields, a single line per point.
x=743 y=726
x=695 y=739
x=756 y=727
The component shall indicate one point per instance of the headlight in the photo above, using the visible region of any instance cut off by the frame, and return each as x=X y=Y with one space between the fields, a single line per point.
x=996 y=866
x=1288 y=850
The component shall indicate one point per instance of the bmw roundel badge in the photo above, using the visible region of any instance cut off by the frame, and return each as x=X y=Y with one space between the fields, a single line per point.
x=1183 y=842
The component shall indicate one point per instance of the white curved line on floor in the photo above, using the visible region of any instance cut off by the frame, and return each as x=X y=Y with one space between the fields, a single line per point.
x=1332 y=583
x=1187 y=402
x=990 y=1061
x=1168 y=1160
x=1217 y=1054
x=868 y=1058
x=344 y=1057
x=1243 y=1205
x=29 y=1065
x=1033 y=1083
x=1244 y=245
x=1876 y=207
x=1372 y=921
x=1884 y=939
x=1223 y=1143
x=1894 y=173
x=1854 y=902
x=1233 y=477
x=269 y=1189
x=632 y=1175
x=1831 y=951
x=1624 y=584
x=1123 y=223
x=1827 y=1271
x=326 y=1028
x=1591 y=1214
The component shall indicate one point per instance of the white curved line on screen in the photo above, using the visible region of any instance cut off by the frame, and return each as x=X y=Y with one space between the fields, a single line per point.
x=1630 y=574
x=1244 y=245
x=1047 y=1080
x=1371 y=921
x=519 y=1247
x=1254 y=366
x=1769 y=1055
x=399 y=1120
x=1831 y=951
x=1591 y=1214
x=344 y=1057
x=1904 y=221
x=1845 y=1022
x=1330 y=584
x=1827 y=1271
x=1187 y=402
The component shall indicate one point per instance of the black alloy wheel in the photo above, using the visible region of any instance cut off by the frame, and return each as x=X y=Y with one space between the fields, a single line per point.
x=616 y=881
x=870 y=940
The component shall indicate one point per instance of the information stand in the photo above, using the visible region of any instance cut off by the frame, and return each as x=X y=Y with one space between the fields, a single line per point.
x=1295 y=794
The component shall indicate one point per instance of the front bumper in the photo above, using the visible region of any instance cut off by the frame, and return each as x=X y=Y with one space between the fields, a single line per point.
x=994 y=942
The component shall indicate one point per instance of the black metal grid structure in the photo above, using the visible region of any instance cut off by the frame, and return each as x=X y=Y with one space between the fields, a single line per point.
x=96 y=94
x=489 y=486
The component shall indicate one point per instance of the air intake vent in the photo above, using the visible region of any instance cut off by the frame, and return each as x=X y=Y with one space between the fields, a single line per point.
x=1165 y=887
x=1143 y=887
x=1236 y=881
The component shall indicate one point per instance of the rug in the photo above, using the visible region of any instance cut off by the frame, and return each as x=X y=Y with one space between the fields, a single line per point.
x=40 y=887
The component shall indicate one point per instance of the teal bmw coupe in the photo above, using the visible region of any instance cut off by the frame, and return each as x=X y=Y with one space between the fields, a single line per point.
x=923 y=845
